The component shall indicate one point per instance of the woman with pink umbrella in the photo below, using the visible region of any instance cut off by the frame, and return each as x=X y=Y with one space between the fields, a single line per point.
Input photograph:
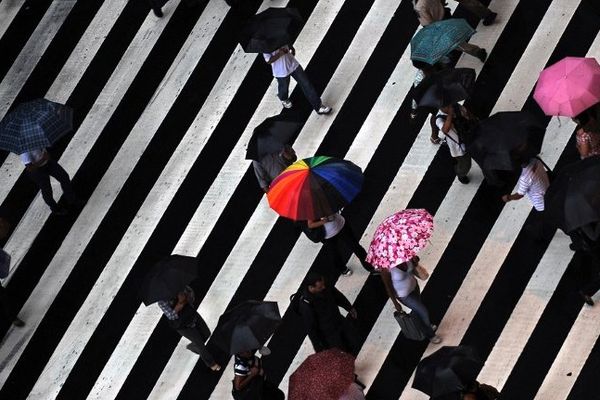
x=393 y=250
x=571 y=88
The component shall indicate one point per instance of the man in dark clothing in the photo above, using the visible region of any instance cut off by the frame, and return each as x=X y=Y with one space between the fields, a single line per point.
x=271 y=165
x=327 y=328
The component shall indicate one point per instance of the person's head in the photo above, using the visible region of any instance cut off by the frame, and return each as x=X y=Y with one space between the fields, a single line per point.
x=314 y=282
x=288 y=153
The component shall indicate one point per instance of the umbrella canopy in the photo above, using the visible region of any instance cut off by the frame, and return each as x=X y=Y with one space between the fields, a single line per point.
x=399 y=237
x=325 y=376
x=573 y=198
x=314 y=187
x=436 y=40
x=269 y=30
x=168 y=277
x=506 y=139
x=568 y=87
x=448 y=370
x=247 y=326
x=271 y=135
x=35 y=125
x=445 y=87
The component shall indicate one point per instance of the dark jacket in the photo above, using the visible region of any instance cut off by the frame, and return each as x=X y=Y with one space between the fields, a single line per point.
x=322 y=316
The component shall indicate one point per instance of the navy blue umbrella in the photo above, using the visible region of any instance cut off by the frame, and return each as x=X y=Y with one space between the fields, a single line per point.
x=35 y=125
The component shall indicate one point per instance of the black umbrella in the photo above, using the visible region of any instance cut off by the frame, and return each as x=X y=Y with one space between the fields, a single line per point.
x=445 y=87
x=271 y=29
x=450 y=369
x=573 y=198
x=271 y=135
x=168 y=277
x=506 y=140
x=246 y=326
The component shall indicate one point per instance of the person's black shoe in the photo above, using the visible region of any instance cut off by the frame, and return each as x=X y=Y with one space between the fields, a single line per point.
x=193 y=348
x=463 y=179
x=156 y=8
x=18 y=323
x=482 y=55
x=588 y=300
x=491 y=17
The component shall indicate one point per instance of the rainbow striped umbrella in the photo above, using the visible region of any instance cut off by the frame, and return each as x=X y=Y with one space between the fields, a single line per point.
x=314 y=187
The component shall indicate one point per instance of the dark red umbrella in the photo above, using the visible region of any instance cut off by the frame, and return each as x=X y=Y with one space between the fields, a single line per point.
x=324 y=376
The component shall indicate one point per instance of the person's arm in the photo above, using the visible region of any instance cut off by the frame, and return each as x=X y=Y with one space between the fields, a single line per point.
x=261 y=176
x=386 y=277
x=280 y=53
x=169 y=312
x=448 y=122
x=583 y=145
x=312 y=224
x=510 y=197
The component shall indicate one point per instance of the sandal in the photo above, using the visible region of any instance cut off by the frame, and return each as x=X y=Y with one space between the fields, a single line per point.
x=215 y=367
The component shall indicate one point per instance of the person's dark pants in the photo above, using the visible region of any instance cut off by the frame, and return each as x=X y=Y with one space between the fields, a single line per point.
x=462 y=165
x=271 y=391
x=8 y=312
x=283 y=85
x=590 y=265
x=345 y=338
x=336 y=244
x=198 y=334
x=538 y=227
x=41 y=177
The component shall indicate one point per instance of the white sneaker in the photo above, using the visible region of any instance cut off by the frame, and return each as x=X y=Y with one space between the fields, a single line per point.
x=323 y=110
x=436 y=339
x=286 y=103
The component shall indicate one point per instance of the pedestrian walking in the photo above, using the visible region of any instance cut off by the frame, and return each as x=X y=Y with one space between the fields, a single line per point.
x=337 y=237
x=402 y=287
x=423 y=71
x=284 y=66
x=588 y=133
x=40 y=167
x=318 y=303
x=430 y=11
x=271 y=165
x=184 y=318
x=533 y=183
x=250 y=381
x=454 y=121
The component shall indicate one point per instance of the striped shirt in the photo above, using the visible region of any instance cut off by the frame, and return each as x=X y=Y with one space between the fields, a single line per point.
x=533 y=182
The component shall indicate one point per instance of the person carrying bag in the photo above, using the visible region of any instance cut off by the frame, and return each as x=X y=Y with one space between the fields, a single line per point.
x=402 y=287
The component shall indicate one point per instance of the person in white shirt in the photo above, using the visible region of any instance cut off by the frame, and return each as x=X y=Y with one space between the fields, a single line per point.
x=40 y=167
x=533 y=183
x=445 y=121
x=284 y=65
x=338 y=235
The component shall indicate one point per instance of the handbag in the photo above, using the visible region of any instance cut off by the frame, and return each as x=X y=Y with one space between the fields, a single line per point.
x=420 y=272
x=410 y=325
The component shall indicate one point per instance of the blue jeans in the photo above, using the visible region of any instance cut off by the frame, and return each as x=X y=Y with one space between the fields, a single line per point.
x=308 y=89
x=414 y=302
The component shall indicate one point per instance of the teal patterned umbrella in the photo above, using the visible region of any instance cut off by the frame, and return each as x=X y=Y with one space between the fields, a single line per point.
x=436 y=40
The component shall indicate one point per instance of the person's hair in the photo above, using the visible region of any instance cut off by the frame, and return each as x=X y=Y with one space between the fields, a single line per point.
x=312 y=278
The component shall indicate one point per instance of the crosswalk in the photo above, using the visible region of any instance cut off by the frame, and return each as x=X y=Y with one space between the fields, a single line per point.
x=164 y=110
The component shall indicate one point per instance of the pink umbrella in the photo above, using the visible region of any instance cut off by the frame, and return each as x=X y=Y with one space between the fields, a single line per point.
x=568 y=87
x=399 y=237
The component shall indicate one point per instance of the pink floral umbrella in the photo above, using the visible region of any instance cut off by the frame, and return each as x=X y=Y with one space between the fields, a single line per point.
x=399 y=237
x=568 y=87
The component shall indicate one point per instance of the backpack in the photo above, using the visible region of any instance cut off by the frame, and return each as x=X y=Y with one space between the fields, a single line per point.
x=315 y=235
